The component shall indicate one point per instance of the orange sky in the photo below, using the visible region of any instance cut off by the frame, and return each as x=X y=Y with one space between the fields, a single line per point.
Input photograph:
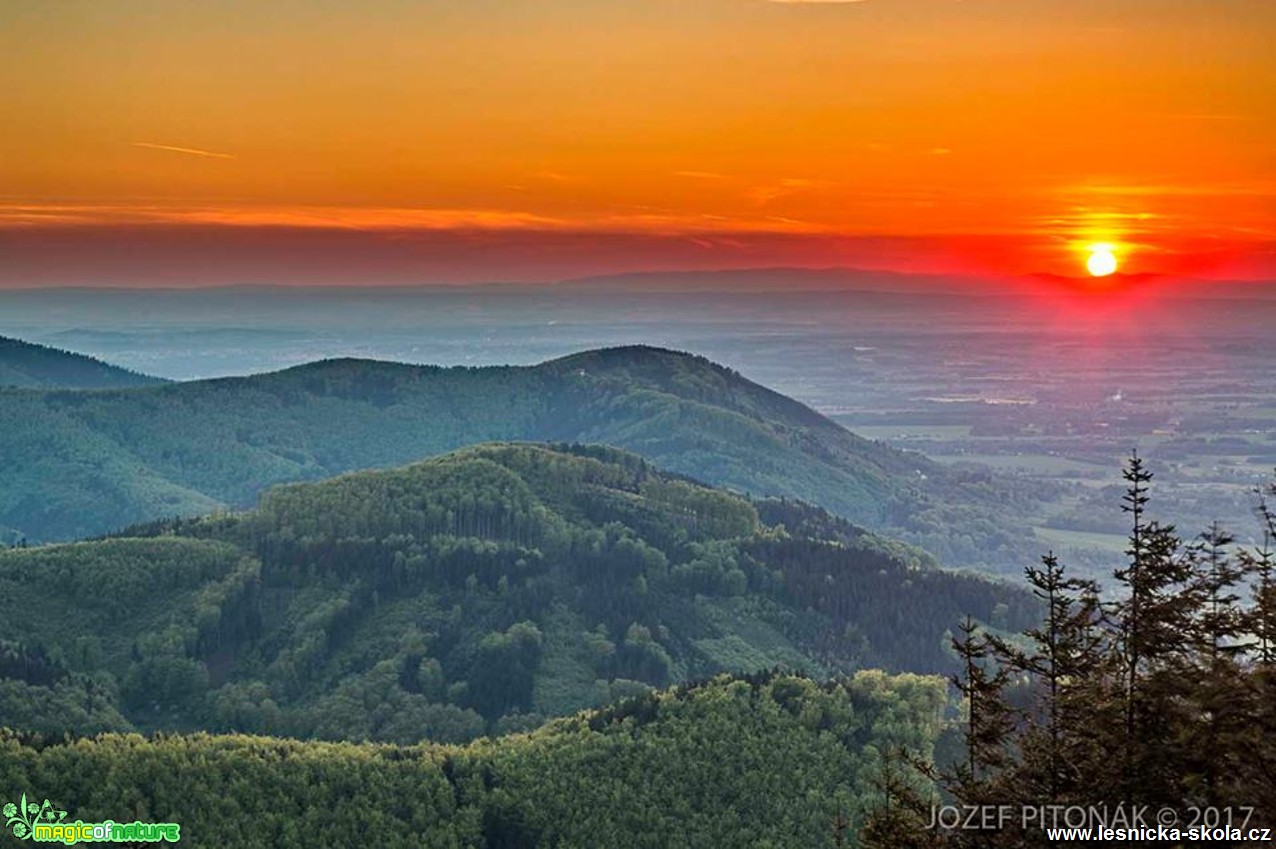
x=402 y=140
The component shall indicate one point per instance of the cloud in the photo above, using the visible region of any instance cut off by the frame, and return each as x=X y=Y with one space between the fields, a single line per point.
x=188 y=255
x=700 y=175
x=1259 y=189
x=209 y=154
x=389 y=219
x=816 y=1
x=783 y=188
x=321 y=248
x=555 y=177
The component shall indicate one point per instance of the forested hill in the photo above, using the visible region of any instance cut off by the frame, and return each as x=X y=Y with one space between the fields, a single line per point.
x=78 y=464
x=29 y=366
x=476 y=592
x=769 y=761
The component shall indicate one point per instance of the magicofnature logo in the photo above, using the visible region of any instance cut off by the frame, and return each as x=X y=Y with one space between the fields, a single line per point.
x=46 y=823
x=22 y=817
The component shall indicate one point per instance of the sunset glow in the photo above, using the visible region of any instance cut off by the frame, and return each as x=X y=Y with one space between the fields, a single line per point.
x=525 y=141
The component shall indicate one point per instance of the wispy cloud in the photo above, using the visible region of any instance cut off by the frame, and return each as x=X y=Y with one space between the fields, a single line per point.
x=783 y=188
x=1254 y=189
x=555 y=177
x=390 y=219
x=192 y=151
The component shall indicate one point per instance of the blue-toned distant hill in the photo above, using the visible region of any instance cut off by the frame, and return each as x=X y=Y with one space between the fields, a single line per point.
x=29 y=366
x=77 y=464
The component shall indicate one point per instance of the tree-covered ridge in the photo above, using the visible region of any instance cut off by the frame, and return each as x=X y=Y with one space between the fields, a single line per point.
x=771 y=760
x=480 y=591
x=489 y=490
x=79 y=464
x=27 y=365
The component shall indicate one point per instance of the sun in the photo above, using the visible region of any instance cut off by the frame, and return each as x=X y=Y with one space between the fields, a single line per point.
x=1102 y=261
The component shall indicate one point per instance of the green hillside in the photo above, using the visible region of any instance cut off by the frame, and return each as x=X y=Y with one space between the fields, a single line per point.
x=772 y=761
x=477 y=592
x=78 y=464
x=29 y=366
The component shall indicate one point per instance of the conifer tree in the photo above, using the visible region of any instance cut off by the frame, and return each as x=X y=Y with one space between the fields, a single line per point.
x=1060 y=747
x=990 y=721
x=1212 y=673
x=1153 y=621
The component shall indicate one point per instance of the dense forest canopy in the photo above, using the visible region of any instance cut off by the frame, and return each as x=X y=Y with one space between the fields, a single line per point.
x=78 y=464
x=473 y=593
x=768 y=761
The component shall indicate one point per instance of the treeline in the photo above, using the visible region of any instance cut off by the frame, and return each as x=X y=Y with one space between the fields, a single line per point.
x=767 y=760
x=1161 y=699
x=480 y=592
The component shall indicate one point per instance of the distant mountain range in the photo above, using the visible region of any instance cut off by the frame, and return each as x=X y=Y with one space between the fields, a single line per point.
x=28 y=366
x=78 y=464
x=476 y=592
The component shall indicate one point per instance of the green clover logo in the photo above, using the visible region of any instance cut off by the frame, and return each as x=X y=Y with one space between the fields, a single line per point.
x=22 y=817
